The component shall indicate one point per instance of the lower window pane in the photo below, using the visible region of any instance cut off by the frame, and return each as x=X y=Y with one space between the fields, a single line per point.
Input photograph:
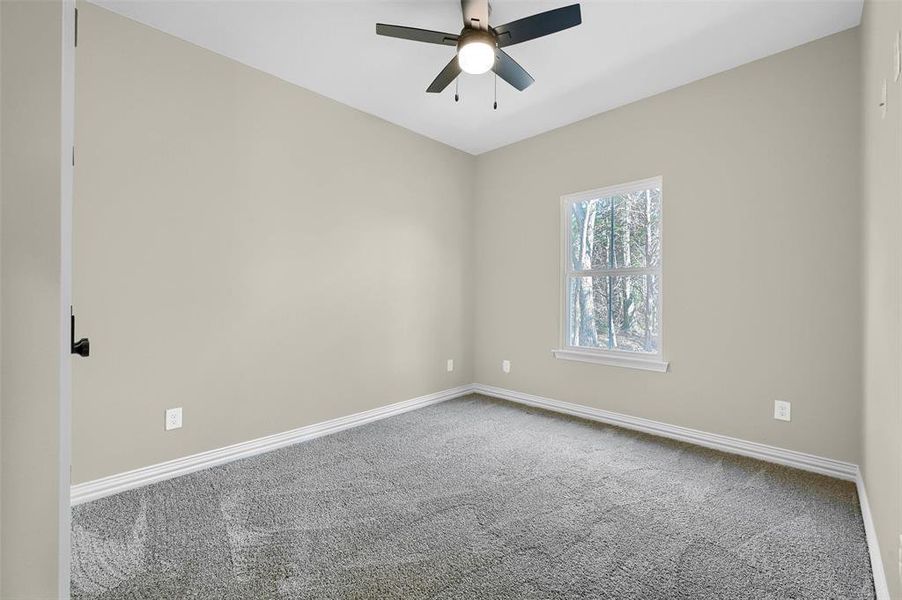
x=588 y=305
x=635 y=313
x=618 y=313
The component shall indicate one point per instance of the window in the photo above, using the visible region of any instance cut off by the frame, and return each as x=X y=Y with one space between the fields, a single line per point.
x=612 y=276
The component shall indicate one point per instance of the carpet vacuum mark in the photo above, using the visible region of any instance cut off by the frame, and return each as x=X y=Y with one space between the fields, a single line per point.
x=478 y=498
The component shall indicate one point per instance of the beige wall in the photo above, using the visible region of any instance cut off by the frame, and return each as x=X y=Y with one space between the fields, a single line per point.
x=882 y=153
x=259 y=255
x=264 y=279
x=30 y=159
x=761 y=251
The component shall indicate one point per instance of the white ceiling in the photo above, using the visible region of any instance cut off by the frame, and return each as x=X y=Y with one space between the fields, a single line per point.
x=624 y=51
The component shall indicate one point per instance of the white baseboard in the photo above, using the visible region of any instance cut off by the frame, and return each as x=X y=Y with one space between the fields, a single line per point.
x=880 y=585
x=790 y=458
x=121 y=482
x=107 y=486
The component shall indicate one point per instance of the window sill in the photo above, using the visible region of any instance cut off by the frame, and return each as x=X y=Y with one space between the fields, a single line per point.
x=613 y=360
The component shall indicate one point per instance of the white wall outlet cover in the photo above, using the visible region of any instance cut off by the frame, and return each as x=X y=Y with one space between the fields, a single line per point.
x=173 y=418
x=450 y=364
x=506 y=366
x=782 y=410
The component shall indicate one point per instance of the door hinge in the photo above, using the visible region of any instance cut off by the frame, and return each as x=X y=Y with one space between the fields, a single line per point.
x=73 y=156
x=76 y=28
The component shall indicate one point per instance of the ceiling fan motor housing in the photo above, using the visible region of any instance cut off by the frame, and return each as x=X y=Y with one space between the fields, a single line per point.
x=469 y=36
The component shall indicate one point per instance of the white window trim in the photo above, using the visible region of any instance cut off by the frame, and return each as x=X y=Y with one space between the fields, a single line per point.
x=615 y=358
x=612 y=358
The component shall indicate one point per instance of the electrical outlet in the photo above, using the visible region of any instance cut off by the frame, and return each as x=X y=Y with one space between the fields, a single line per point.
x=506 y=366
x=782 y=410
x=450 y=364
x=173 y=418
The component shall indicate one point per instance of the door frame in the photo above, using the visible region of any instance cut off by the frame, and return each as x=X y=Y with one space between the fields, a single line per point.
x=67 y=179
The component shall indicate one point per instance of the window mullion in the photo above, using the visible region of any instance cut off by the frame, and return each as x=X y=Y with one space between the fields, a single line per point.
x=612 y=261
x=637 y=271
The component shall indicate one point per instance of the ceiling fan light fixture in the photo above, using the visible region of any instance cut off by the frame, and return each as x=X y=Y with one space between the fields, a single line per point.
x=476 y=53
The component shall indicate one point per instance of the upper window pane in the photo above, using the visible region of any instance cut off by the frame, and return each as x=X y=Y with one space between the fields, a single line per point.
x=637 y=229
x=616 y=232
x=590 y=234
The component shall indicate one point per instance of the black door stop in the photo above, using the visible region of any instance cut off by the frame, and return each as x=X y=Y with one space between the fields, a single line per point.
x=83 y=346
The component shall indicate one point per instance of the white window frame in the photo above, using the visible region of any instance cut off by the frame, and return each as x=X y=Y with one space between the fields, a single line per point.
x=604 y=356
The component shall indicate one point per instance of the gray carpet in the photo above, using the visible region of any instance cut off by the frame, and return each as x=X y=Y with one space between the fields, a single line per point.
x=477 y=498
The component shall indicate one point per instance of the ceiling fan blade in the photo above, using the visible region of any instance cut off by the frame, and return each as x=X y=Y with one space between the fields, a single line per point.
x=448 y=74
x=417 y=35
x=508 y=70
x=538 y=25
x=476 y=13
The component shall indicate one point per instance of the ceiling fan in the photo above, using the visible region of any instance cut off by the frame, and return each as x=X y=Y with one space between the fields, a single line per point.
x=479 y=45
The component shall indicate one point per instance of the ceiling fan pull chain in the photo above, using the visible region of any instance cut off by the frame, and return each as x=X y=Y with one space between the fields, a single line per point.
x=456 y=89
x=495 y=106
